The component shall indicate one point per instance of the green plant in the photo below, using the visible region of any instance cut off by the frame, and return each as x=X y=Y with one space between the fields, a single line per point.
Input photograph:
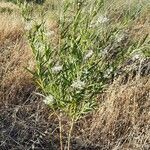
x=72 y=73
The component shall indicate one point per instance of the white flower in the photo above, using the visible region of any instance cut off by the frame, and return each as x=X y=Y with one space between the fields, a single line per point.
x=89 y=54
x=92 y=25
x=137 y=56
x=108 y=72
x=104 y=52
x=28 y=26
x=49 y=33
x=78 y=84
x=120 y=37
x=102 y=19
x=57 y=68
x=86 y=71
x=49 y=100
x=40 y=46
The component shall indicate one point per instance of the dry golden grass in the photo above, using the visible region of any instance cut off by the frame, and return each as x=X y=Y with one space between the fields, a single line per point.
x=123 y=117
x=9 y=5
x=15 y=54
x=11 y=27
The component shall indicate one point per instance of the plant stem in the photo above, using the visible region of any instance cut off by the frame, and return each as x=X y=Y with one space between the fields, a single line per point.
x=70 y=132
x=60 y=130
x=60 y=133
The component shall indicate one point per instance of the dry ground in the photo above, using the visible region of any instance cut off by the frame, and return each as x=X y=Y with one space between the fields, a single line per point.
x=122 y=121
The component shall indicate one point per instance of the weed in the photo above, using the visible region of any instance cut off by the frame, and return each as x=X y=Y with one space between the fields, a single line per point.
x=90 y=49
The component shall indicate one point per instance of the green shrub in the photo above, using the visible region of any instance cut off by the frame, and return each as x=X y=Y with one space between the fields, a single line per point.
x=90 y=49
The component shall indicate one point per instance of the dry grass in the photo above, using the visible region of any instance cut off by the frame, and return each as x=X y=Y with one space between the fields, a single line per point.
x=9 y=5
x=10 y=27
x=120 y=123
x=15 y=54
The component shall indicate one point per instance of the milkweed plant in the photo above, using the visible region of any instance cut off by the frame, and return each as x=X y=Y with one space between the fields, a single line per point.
x=74 y=71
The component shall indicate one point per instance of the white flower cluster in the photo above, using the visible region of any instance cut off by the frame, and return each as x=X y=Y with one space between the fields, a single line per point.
x=88 y=55
x=78 y=84
x=137 y=56
x=108 y=72
x=57 y=68
x=102 y=19
x=104 y=51
x=120 y=37
x=40 y=46
x=49 y=100
x=49 y=33
x=86 y=71
x=29 y=25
